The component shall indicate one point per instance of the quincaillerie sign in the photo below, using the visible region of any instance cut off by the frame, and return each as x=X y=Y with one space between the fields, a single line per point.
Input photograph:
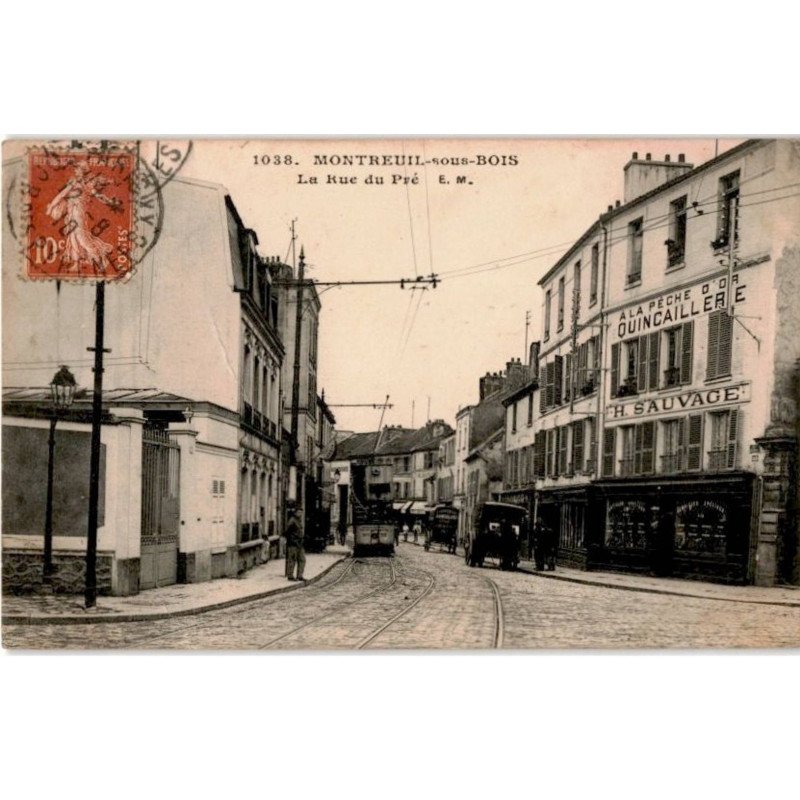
x=691 y=401
x=675 y=307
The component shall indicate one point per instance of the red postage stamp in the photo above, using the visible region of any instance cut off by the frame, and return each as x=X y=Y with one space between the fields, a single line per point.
x=80 y=214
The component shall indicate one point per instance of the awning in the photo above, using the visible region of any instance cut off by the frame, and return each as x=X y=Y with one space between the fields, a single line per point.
x=397 y=506
x=418 y=507
x=402 y=507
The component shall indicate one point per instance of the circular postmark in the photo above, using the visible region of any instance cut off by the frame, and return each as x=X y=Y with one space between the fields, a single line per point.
x=87 y=211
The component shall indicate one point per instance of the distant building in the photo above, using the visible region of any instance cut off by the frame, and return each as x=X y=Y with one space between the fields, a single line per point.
x=445 y=470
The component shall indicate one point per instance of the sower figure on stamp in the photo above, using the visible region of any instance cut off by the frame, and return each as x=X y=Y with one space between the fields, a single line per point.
x=295 y=552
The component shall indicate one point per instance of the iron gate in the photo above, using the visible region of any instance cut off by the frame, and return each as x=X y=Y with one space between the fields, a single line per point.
x=160 y=508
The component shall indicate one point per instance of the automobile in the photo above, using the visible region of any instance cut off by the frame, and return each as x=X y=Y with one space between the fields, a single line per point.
x=486 y=540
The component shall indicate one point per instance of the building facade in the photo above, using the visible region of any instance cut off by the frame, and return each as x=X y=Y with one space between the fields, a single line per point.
x=178 y=442
x=667 y=427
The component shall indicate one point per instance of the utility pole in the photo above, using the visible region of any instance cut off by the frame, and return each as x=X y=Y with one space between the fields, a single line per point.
x=527 y=325
x=429 y=408
x=90 y=592
x=298 y=330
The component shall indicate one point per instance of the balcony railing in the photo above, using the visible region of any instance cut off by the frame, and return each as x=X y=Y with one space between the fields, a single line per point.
x=633 y=277
x=675 y=252
x=248 y=414
x=627 y=388
x=673 y=462
x=626 y=467
x=258 y=421
x=588 y=387
x=591 y=466
x=718 y=459
x=672 y=377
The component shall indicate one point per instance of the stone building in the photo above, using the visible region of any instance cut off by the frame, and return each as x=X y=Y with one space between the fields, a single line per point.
x=190 y=463
x=666 y=433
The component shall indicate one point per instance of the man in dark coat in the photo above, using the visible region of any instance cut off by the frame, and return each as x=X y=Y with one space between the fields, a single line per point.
x=295 y=552
x=539 y=544
x=551 y=547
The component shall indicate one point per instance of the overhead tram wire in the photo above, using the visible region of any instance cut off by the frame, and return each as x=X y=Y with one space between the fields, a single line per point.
x=400 y=340
x=664 y=221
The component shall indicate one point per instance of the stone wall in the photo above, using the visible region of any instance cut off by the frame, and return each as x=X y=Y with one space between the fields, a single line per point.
x=22 y=573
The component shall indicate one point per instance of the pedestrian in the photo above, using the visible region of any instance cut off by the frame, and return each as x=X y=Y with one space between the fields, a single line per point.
x=508 y=545
x=538 y=545
x=406 y=531
x=342 y=530
x=417 y=531
x=295 y=552
x=551 y=547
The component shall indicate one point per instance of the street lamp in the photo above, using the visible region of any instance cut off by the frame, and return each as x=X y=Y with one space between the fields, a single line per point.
x=62 y=393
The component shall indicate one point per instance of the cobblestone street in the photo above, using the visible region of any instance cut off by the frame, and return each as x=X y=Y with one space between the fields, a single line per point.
x=432 y=600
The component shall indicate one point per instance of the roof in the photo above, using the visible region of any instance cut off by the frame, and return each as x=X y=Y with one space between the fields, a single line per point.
x=127 y=397
x=525 y=389
x=356 y=446
x=477 y=451
x=390 y=441
x=609 y=215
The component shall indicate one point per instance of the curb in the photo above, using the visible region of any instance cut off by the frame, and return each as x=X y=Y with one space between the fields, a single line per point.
x=654 y=590
x=22 y=619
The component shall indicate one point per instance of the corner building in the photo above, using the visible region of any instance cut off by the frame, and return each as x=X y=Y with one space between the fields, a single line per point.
x=668 y=382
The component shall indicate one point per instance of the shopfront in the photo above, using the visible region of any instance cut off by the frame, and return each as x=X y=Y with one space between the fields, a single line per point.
x=698 y=528
x=567 y=512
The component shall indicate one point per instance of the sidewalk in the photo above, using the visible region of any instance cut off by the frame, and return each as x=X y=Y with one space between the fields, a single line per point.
x=774 y=596
x=169 y=601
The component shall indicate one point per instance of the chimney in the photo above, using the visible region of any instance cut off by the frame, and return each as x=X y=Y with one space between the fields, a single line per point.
x=533 y=358
x=642 y=176
x=515 y=372
x=490 y=383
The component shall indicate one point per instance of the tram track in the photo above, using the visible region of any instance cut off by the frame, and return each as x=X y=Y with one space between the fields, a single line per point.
x=337 y=609
x=242 y=609
x=499 y=622
x=375 y=634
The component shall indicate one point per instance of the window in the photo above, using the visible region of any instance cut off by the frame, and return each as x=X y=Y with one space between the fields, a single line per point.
x=429 y=461
x=724 y=438
x=677 y=344
x=563 y=437
x=720 y=335
x=628 y=436
x=634 y=365
x=638 y=449
x=513 y=418
x=530 y=409
x=676 y=244
x=635 y=239
x=594 y=274
x=576 y=290
x=590 y=445
x=551 y=381
x=728 y=217
x=672 y=435
x=561 y=303
x=586 y=371
x=547 y=304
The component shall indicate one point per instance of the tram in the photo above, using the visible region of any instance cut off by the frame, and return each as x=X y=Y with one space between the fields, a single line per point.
x=374 y=525
x=442 y=528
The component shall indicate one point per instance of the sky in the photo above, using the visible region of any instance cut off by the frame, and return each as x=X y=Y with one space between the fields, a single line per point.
x=509 y=221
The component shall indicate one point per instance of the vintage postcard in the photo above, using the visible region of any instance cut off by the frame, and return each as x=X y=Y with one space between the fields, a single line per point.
x=417 y=394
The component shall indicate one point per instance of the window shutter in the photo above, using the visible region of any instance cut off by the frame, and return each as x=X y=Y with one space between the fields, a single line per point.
x=712 y=369
x=539 y=453
x=593 y=447
x=681 y=444
x=558 y=379
x=542 y=390
x=655 y=341
x=567 y=377
x=638 y=432
x=641 y=378
x=609 y=447
x=614 y=369
x=686 y=351
x=725 y=344
x=694 y=441
x=648 y=447
x=551 y=371
x=563 y=433
x=733 y=437
x=577 y=446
